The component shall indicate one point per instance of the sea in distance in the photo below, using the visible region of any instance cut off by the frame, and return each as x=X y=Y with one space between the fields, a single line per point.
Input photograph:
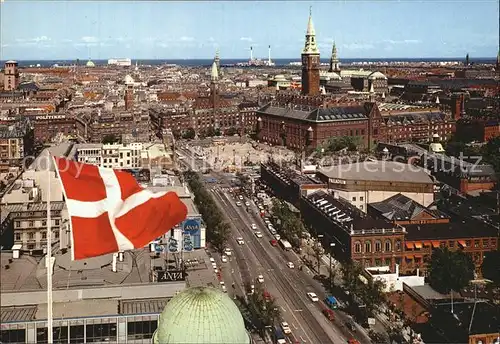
x=278 y=62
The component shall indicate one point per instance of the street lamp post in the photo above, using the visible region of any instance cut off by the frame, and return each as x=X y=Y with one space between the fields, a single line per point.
x=332 y=245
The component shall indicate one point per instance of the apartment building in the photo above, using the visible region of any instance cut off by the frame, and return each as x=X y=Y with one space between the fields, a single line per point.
x=27 y=223
x=16 y=143
x=110 y=155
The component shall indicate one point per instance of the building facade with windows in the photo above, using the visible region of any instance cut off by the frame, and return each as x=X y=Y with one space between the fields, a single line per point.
x=355 y=235
x=16 y=144
x=110 y=155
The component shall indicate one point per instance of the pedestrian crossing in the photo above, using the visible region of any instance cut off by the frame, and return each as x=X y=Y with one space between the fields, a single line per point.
x=222 y=189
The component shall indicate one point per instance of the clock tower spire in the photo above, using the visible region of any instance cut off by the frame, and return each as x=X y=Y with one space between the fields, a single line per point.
x=310 y=61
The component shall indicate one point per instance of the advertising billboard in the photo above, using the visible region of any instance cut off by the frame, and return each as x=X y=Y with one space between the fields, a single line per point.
x=191 y=231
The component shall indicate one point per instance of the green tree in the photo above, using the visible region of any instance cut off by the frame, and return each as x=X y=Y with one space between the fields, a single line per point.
x=350 y=272
x=231 y=131
x=210 y=131
x=335 y=144
x=189 y=134
x=318 y=253
x=491 y=153
x=111 y=138
x=491 y=266
x=218 y=230
x=372 y=294
x=450 y=270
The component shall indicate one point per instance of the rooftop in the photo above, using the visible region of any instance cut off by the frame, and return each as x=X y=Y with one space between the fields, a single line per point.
x=29 y=273
x=288 y=175
x=347 y=216
x=473 y=317
x=470 y=228
x=383 y=171
x=314 y=114
x=400 y=207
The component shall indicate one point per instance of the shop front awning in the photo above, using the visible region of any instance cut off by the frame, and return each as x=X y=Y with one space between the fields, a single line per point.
x=409 y=246
x=435 y=244
x=462 y=243
x=418 y=245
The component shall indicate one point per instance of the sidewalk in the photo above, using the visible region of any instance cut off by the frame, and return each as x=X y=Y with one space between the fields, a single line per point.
x=309 y=257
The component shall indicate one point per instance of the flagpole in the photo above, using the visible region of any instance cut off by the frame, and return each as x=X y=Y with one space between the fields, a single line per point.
x=49 y=258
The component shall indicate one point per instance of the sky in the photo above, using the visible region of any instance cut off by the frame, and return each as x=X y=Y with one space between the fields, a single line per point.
x=195 y=29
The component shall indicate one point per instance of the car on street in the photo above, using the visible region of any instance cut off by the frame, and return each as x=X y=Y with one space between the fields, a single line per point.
x=227 y=251
x=353 y=341
x=254 y=226
x=258 y=234
x=274 y=242
x=260 y=279
x=212 y=260
x=224 y=259
x=240 y=241
x=290 y=265
x=247 y=204
x=329 y=314
x=277 y=237
x=238 y=204
x=240 y=197
x=313 y=297
x=286 y=328
x=350 y=325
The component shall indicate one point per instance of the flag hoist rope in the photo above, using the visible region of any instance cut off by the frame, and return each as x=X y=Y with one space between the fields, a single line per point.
x=49 y=256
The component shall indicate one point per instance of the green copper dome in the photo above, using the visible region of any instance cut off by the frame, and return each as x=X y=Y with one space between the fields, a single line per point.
x=201 y=315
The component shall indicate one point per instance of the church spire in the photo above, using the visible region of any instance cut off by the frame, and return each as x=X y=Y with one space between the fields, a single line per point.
x=214 y=75
x=310 y=46
x=334 y=61
x=217 y=61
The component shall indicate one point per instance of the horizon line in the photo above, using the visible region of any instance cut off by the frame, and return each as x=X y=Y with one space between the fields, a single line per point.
x=247 y=59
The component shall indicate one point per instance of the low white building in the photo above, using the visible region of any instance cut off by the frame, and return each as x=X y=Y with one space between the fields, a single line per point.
x=392 y=280
x=110 y=155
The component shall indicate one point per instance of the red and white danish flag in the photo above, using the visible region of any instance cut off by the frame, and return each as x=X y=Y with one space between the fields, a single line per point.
x=110 y=212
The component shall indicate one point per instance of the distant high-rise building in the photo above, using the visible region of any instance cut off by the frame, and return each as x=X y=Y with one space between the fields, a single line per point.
x=310 y=62
x=467 y=60
x=11 y=76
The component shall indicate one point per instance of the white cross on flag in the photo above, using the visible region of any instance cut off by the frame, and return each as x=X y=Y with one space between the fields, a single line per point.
x=110 y=212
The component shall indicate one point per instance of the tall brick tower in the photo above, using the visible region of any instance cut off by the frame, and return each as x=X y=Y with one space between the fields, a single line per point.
x=129 y=97
x=11 y=76
x=310 y=62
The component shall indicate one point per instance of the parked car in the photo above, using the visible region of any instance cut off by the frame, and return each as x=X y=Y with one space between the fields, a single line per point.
x=258 y=234
x=290 y=265
x=274 y=242
x=254 y=226
x=224 y=259
x=260 y=279
x=240 y=241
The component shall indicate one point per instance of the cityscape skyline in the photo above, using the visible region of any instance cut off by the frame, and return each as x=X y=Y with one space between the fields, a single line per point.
x=194 y=30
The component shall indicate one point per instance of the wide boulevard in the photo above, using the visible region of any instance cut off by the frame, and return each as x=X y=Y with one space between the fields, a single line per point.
x=258 y=257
